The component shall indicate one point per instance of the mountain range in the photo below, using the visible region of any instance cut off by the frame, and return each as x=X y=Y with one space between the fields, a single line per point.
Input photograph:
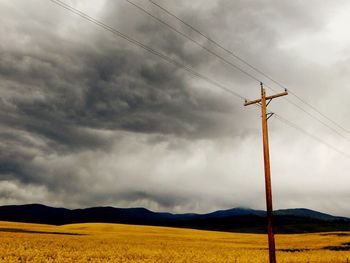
x=299 y=220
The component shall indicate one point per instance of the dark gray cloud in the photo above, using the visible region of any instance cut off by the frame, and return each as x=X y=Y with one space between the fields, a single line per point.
x=88 y=119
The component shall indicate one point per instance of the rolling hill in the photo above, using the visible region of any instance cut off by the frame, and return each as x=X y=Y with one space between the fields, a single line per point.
x=234 y=220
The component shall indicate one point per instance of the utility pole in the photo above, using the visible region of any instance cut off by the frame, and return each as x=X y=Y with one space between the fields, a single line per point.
x=264 y=102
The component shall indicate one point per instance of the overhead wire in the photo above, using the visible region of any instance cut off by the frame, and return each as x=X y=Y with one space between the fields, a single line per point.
x=194 y=41
x=293 y=125
x=180 y=65
x=208 y=38
x=257 y=70
x=318 y=119
x=319 y=112
x=147 y=48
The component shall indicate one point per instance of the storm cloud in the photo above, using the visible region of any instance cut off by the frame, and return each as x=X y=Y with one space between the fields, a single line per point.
x=88 y=119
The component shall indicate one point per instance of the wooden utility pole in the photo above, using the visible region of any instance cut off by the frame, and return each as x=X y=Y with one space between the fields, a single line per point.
x=264 y=102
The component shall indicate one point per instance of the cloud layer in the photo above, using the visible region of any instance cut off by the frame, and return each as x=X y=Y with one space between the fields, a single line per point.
x=88 y=119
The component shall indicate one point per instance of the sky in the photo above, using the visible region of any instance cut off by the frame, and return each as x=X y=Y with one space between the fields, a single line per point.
x=89 y=119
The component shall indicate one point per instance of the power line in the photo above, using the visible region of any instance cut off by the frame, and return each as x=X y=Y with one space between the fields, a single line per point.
x=319 y=112
x=180 y=65
x=293 y=125
x=194 y=41
x=230 y=63
x=317 y=119
x=207 y=38
x=145 y=47
x=254 y=68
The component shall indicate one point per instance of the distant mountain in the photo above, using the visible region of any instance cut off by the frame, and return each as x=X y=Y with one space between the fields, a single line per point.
x=307 y=213
x=235 y=212
x=236 y=220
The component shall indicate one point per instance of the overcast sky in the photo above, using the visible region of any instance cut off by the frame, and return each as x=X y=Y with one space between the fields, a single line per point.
x=87 y=119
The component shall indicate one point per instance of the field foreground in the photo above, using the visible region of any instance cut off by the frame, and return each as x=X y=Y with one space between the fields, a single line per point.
x=96 y=242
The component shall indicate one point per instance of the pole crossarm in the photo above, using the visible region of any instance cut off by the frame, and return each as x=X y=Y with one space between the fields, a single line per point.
x=247 y=103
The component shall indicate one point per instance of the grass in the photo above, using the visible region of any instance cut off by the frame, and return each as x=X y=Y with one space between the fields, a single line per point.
x=96 y=242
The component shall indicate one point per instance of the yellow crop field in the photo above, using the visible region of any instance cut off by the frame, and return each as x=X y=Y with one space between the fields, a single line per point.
x=96 y=242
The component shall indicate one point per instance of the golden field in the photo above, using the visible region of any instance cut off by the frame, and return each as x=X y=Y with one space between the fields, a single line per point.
x=20 y=242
